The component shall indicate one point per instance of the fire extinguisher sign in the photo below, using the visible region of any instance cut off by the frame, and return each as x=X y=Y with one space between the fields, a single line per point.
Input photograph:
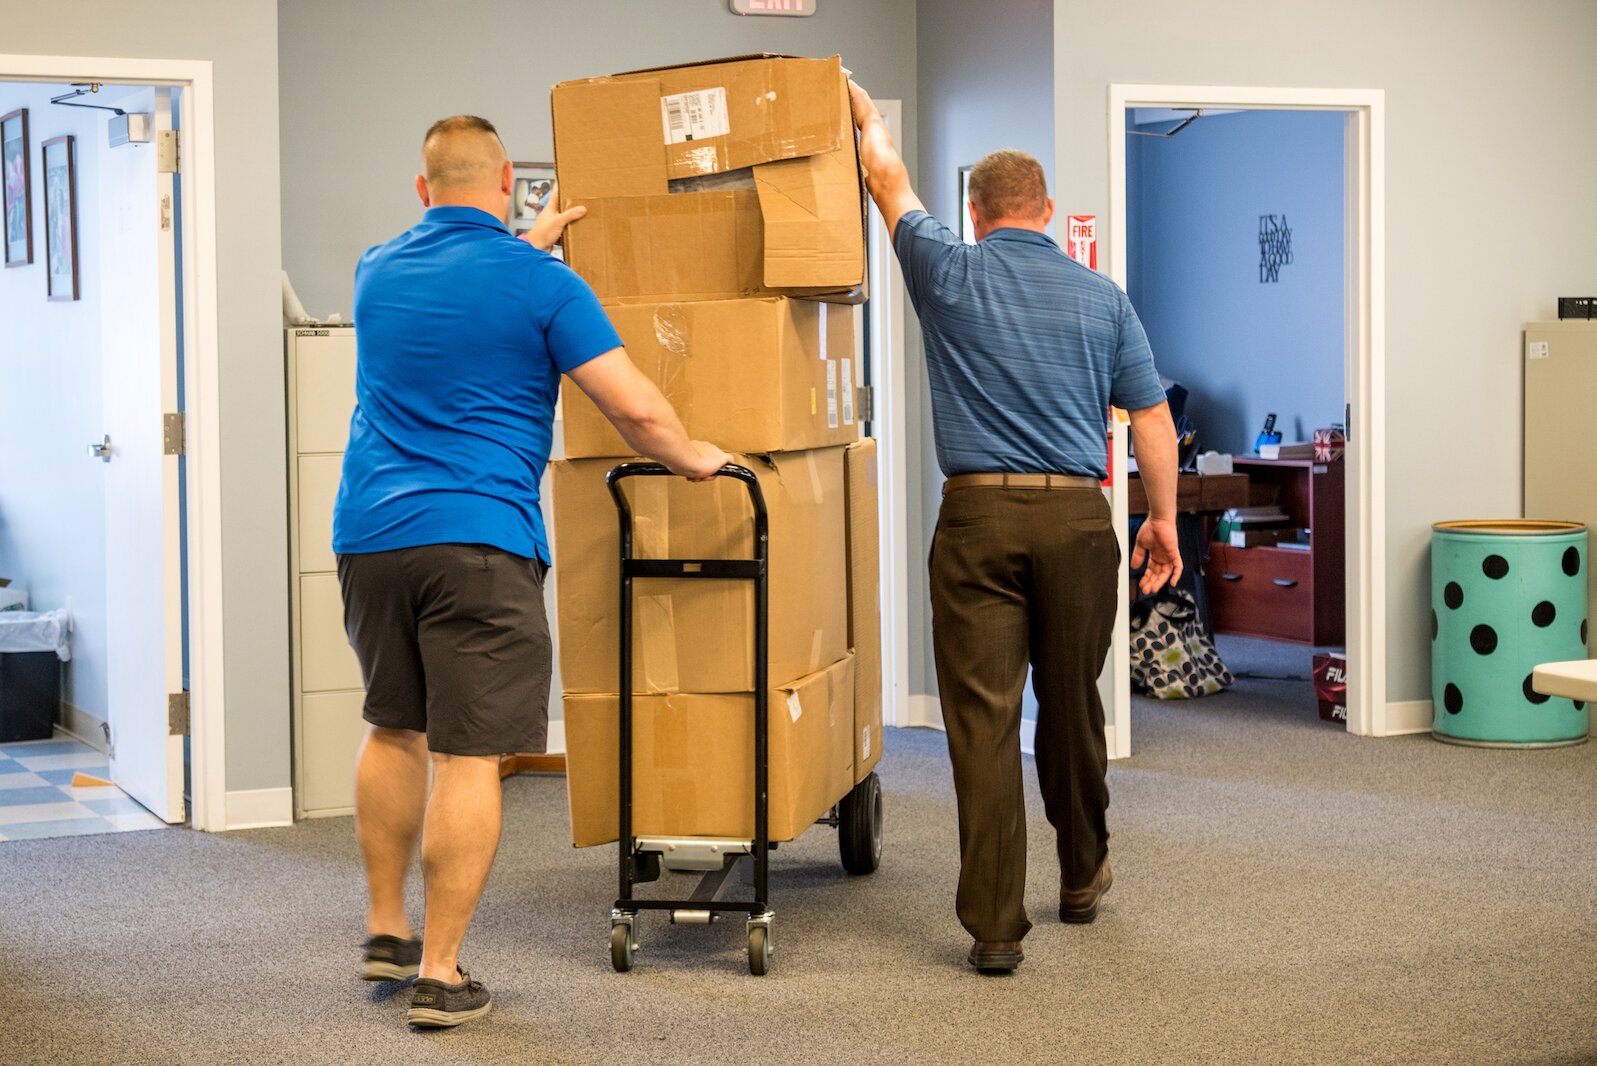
x=1081 y=239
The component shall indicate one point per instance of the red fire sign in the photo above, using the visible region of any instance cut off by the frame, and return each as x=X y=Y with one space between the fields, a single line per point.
x=1081 y=239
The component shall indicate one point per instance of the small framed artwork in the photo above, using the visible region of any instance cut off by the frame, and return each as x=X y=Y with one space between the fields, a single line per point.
x=967 y=229
x=61 y=218
x=534 y=184
x=18 y=203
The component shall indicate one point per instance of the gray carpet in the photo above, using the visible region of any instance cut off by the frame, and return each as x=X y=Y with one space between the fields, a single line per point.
x=1284 y=894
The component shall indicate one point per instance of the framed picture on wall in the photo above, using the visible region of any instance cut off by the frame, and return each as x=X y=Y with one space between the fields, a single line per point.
x=967 y=231
x=61 y=218
x=534 y=184
x=18 y=203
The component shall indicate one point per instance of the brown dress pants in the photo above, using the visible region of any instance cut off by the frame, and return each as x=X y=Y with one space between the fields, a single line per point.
x=1023 y=576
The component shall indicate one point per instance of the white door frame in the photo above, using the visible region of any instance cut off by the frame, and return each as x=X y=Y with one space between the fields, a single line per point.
x=208 y=761
x=1368 y=711
x=886 y=310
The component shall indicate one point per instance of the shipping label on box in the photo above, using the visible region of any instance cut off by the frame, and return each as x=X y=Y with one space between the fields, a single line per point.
x=748 y=375
x=864 y=604
x=692 y=759
x=697 y=635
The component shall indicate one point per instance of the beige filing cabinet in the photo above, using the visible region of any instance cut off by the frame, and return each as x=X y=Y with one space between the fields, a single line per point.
x=327 y=684
x=1561 y=431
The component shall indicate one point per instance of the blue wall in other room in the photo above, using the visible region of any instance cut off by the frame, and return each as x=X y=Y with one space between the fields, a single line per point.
x=1241 y=347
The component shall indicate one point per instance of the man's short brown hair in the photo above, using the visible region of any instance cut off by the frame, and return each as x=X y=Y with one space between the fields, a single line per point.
x=1009 y=184
x=462 y=150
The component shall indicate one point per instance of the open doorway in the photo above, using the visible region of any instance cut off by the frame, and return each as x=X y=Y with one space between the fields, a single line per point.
x=1358 y=116
x=92 y=516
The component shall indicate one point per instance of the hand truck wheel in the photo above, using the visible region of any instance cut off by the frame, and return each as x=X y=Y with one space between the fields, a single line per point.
x=859 y=829
x=621 y=946
x=759 y=950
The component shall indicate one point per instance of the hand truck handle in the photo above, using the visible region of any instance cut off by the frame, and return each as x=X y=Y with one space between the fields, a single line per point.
x=742 y=473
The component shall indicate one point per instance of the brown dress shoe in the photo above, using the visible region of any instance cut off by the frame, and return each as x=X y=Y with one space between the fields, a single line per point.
x=1080 y=905
x=996 y=956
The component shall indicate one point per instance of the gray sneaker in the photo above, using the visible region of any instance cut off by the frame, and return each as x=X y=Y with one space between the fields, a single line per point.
x=435 y=1005
x=391 y=958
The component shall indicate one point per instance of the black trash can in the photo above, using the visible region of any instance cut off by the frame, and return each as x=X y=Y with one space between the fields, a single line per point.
x=30 y=695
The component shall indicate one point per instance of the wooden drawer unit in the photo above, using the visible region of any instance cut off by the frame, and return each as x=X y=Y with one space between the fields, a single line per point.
x=1262 y=592
x=1282 y=593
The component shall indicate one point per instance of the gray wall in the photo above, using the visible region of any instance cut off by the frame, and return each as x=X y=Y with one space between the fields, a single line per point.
x=1489 y=212
x=986 y=74
x=240 y=39
x=361 y=80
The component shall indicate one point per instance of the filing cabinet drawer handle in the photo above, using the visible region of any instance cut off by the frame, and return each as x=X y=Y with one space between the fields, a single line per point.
x=1231 y=577
x=1286 y=583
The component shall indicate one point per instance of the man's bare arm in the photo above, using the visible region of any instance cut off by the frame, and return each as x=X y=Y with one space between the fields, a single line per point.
x=643 y=417
x=885 y=174
x=1153 y=434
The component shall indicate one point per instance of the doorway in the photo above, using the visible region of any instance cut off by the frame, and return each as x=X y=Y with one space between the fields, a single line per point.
x=1364 y=589
x=154 y=519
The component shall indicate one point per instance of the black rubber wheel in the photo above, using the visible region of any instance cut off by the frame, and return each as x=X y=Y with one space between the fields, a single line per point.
x=759 y=950
x=859 y=830
x=621 y=947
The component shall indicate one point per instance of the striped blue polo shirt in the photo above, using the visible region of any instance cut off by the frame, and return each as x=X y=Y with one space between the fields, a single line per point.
x=1026 y=350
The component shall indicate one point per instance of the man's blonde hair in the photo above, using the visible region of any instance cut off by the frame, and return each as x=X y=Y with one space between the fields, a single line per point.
x=462 y=151
x=1009 y=184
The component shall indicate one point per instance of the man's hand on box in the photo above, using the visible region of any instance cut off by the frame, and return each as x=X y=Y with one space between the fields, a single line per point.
x=547 y=229
x=705 y=463
x=860 y=103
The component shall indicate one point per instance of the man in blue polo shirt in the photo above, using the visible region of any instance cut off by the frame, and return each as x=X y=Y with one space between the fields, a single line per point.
x=463 y=334
x=1025 y=350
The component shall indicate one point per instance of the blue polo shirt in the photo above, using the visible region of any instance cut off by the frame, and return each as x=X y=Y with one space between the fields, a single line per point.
x=462 y=333
x=1026 y=350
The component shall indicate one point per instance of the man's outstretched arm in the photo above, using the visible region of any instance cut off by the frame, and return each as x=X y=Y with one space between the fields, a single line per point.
x=885 y=174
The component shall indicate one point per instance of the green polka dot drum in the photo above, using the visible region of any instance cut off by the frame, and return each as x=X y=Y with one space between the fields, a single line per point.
x=1506 y=596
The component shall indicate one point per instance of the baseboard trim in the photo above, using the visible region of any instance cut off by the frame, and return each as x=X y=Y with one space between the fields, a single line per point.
x=556 y=743
x=926 y=712
x=259 y=808
x=1409 y=716
x=82 y=725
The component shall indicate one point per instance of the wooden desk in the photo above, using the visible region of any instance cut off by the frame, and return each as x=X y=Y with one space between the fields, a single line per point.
x=1195 y=493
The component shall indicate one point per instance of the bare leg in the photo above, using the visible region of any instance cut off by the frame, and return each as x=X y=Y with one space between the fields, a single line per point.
x=457 y=849
x=390 y=795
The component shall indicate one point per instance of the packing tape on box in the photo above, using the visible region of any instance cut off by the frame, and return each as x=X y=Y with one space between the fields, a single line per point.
x=820 y=330
x=815 y=652
x=656 y=621
x=795 y=707
x=815 y=476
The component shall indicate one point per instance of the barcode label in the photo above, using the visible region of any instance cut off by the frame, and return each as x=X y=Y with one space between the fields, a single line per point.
x=848 y=392
x=694 y=116
x=831 y=395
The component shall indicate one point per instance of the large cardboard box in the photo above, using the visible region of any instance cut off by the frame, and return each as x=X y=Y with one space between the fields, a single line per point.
x=730 y=178
x=697 y=635
x=759 y=375
x=692 y=760
x=864 y=603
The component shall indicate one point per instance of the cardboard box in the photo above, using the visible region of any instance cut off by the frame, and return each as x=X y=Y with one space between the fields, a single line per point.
x=758 y=375
x=864 y=604
x=1330 y=687
x=692 y=759
x=696 y=635
x=731 y=178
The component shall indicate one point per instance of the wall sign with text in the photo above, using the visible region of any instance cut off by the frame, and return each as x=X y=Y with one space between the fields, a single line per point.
x=791 y=8
x=1081 y=239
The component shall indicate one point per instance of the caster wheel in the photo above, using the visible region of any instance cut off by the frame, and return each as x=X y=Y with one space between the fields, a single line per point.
x=859 y=830
x=759 y=950
x=621 y=947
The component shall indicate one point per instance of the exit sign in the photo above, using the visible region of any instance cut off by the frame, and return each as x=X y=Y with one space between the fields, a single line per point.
x=796 y=8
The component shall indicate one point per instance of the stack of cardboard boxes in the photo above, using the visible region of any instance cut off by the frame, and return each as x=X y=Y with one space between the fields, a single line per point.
x=725 y=236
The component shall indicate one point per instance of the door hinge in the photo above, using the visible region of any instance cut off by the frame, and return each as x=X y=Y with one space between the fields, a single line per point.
x=177 y=714
x=168 y=152
x=173 y=434
x=865 y=403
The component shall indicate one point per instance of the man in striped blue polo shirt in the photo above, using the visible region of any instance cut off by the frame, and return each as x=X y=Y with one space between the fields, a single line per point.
x=1025 y=350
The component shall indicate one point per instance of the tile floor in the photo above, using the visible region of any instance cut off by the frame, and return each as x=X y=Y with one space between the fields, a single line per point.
x=37 y=798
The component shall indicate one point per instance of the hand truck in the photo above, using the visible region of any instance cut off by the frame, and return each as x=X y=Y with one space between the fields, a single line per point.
x=858 y=816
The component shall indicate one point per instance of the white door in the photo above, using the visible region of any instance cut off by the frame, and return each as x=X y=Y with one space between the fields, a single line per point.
x=139 y=355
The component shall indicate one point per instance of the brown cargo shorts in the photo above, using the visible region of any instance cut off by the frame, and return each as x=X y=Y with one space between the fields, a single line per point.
x=453 y=641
